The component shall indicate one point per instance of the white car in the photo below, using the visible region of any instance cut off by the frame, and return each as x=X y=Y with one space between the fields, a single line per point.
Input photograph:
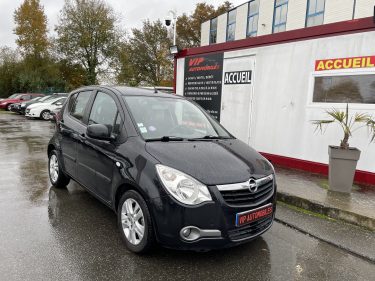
x=42 y=109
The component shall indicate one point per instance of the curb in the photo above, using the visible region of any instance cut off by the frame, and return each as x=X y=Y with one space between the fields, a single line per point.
x=332 y=212
x=360 y=255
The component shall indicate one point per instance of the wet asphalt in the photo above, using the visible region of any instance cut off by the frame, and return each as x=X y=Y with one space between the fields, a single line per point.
x=52 y=234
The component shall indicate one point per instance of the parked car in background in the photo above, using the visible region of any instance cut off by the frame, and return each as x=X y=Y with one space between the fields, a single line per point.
x=168 y=169
x=16 y=107
x=17 y=98
x=24 y=105
x=54 y=112
x=42 y=109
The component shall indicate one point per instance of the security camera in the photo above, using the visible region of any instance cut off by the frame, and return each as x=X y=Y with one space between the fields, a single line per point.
x=168 y=22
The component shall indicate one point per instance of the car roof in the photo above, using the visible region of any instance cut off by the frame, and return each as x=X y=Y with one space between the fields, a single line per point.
x=131 y=91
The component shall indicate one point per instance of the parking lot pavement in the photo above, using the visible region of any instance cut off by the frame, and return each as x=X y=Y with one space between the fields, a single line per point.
x=51 y=234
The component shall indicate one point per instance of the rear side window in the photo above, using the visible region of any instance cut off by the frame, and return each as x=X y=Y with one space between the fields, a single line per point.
x=104 y=111
x=26 y=97
x=78 y=103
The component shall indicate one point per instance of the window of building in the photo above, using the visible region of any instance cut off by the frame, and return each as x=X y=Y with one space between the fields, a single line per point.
x=213 y=31
x=231 y=25
x=345 y=89
x=280 y=15
x=252 y=18
x=315 y=12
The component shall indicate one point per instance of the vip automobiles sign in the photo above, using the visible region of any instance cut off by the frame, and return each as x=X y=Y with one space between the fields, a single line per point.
x=203 y=81
x=237 y=77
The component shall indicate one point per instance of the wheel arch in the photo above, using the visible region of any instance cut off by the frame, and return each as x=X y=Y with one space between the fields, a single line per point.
x=121 y=189
x=50 y=148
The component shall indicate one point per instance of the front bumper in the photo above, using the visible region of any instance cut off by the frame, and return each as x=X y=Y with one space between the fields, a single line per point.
x=15 y=108
x=31 y=113
x=171 y=217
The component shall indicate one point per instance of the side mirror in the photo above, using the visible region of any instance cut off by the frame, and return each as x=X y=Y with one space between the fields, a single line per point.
x=99 y=132
x=58 y=103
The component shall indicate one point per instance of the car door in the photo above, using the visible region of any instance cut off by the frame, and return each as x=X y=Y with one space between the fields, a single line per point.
x=72 y=129
x=96 y=157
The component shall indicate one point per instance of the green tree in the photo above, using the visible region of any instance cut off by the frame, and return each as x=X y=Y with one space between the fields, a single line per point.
x=145 y=57
x=31 y=29
x=87 y=35
x=9 y=69
x=189 y=26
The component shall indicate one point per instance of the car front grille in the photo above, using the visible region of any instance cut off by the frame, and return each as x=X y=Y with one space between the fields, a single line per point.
x=240 y=194
x=250 y=230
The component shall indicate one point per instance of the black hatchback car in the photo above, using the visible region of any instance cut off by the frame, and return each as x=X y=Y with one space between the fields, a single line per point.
x=168 y=169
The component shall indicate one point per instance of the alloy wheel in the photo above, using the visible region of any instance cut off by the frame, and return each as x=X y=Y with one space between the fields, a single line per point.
x=54 y=168
x=45 y=115
x=133 y=223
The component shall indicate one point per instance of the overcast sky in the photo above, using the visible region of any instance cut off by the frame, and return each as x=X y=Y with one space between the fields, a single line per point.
x=132 y=12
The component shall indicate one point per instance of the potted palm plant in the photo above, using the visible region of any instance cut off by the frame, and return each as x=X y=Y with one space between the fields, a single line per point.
x=343 y=159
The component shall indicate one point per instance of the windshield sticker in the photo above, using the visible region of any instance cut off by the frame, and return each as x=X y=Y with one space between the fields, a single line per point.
x=143 y=130
x=140 y=124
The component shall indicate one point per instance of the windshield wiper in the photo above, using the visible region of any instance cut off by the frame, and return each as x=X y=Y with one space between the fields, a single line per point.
x=210 y=137
x=166 y=139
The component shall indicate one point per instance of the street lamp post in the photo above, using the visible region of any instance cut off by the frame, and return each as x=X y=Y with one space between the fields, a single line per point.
x=174 y=22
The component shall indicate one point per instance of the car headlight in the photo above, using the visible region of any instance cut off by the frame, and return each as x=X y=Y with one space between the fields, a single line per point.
x=183 y=187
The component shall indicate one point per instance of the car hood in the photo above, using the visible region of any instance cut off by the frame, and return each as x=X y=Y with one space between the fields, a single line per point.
x=35 y=105
x=212 y=162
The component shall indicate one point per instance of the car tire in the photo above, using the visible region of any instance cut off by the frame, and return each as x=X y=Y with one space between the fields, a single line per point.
x=131 y=219
x=8 y=107
x=55 y=173
x=44 y=115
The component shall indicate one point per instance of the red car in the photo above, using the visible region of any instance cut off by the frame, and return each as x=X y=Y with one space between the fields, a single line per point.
x=6 y=103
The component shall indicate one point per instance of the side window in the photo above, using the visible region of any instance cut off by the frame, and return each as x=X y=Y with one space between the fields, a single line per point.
x=60 y=101
x=77 y=104
x=104 y=111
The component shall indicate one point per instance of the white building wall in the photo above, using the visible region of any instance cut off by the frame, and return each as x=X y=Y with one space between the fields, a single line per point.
x=296 y=14
x=205 y=33
x=364 y=8
x=265 y=17
x=241 y=21
x=222 y=28
x=338 y=10
x=282 y=103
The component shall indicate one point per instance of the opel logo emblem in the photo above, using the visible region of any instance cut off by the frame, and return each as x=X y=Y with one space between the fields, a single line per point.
x=253 y=186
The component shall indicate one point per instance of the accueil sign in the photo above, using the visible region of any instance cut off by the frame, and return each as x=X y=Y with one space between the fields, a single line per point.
x=345 y=63
x=237 y=77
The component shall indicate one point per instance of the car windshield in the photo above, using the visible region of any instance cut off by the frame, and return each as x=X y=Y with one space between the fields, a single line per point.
x=47 y=98
x=13 y=96
x=172 y=118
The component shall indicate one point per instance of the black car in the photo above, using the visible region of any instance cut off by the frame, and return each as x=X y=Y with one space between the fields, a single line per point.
x=168 y=169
